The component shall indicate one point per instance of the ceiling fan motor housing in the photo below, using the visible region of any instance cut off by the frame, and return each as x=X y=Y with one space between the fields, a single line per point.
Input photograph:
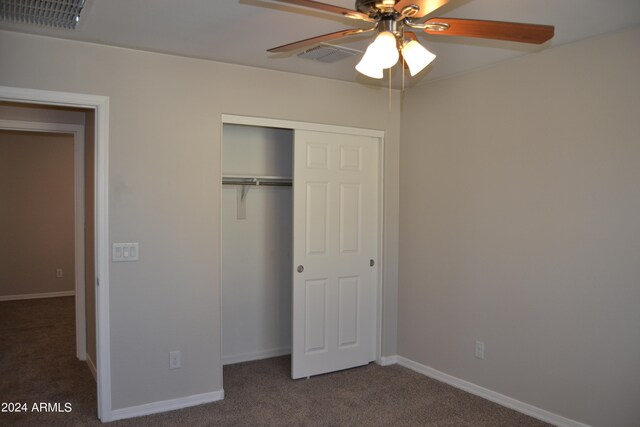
x=373 y=8
x=384 y=14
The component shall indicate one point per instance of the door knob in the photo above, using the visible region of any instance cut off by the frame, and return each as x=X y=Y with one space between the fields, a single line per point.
x=372 y=262
x=300 y=269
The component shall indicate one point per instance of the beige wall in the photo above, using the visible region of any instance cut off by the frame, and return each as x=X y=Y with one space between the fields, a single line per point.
x=164 y=168
x=37 y=213
x=520 y=227
x=40 y=113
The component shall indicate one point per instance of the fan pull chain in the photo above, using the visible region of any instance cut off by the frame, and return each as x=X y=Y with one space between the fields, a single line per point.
x=402 y=74
x=389 y=89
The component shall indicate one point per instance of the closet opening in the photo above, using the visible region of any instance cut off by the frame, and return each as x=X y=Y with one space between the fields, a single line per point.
x=256 y=242
x=301 y=246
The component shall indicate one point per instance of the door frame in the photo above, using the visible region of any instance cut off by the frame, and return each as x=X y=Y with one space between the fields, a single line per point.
x=296 y=125
x=78 y=187
x=100 y=105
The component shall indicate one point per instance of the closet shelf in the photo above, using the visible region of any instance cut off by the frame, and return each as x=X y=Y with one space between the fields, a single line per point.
x=278 y=181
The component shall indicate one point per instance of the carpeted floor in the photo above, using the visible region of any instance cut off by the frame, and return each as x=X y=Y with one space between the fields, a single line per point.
x=38 y=364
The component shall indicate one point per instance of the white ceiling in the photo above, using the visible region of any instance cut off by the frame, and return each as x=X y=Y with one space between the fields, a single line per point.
x=240 y=31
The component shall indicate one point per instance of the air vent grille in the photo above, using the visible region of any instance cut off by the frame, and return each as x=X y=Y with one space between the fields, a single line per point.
x=328 y=53
x=51 y=13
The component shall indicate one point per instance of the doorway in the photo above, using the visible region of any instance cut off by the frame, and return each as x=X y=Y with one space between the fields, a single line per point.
x=44 y=228
x=49 y=158
x=97 y=107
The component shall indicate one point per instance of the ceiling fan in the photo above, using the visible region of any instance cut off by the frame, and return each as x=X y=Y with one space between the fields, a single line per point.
x=392 y=21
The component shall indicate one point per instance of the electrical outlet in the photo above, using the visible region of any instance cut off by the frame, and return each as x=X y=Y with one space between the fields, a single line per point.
x=480 y=349
x=174 y=359
x=59 y=272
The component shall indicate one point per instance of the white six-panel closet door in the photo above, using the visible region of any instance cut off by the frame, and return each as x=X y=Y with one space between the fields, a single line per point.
x=335 y=243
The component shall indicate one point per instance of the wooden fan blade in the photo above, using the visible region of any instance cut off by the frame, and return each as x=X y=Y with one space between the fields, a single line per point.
x=510 y=31
x=318 y=39
x=425 y=6
x=328 y=8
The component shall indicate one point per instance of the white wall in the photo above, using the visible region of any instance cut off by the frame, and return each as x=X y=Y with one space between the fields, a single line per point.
x=165 y=115
x=256 y=249
x=520 y=208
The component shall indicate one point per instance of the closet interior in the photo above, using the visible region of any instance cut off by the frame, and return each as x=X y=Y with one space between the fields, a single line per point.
x=256 y=242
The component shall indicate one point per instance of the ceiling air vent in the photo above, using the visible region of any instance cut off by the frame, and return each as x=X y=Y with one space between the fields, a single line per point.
x=328 y=53
x=51 y=13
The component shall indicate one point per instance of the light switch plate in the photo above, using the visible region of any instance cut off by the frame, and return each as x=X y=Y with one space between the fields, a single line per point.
x=125 y=252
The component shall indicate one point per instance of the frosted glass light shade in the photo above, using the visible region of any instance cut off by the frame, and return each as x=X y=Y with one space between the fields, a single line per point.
x=368 y=65
x=385 y=50
x=381 y=54
x=416 y=57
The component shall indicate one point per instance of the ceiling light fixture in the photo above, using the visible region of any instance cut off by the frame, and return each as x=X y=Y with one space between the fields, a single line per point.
x=399 y=17
x=384 y=52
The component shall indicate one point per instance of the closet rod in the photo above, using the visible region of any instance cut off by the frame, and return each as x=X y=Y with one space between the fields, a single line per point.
x=274 y=182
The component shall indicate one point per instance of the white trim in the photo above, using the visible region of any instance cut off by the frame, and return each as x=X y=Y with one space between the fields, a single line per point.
x=485 y=393
x=220 y=247
x=257 y=355
x=103 y=339
x=380 y=261
x=37 y=296
x=387 y=360
x=92 y=367
x=166 y=405
x=78 y=184
x=101 y=106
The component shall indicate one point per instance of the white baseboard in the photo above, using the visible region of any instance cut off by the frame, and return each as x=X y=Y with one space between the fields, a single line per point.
x=166 y=405
x=92 y=367
x=258 y=355
x=35 y=296
x=493 y=396
x=387 y=360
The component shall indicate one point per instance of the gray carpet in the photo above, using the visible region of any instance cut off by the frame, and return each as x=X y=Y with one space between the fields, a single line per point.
x=38 y=364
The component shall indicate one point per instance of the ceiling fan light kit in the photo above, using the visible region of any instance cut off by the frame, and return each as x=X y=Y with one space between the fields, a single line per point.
x=393 y=17
x=416 y=57
x=383 y=51
x=369 y=68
